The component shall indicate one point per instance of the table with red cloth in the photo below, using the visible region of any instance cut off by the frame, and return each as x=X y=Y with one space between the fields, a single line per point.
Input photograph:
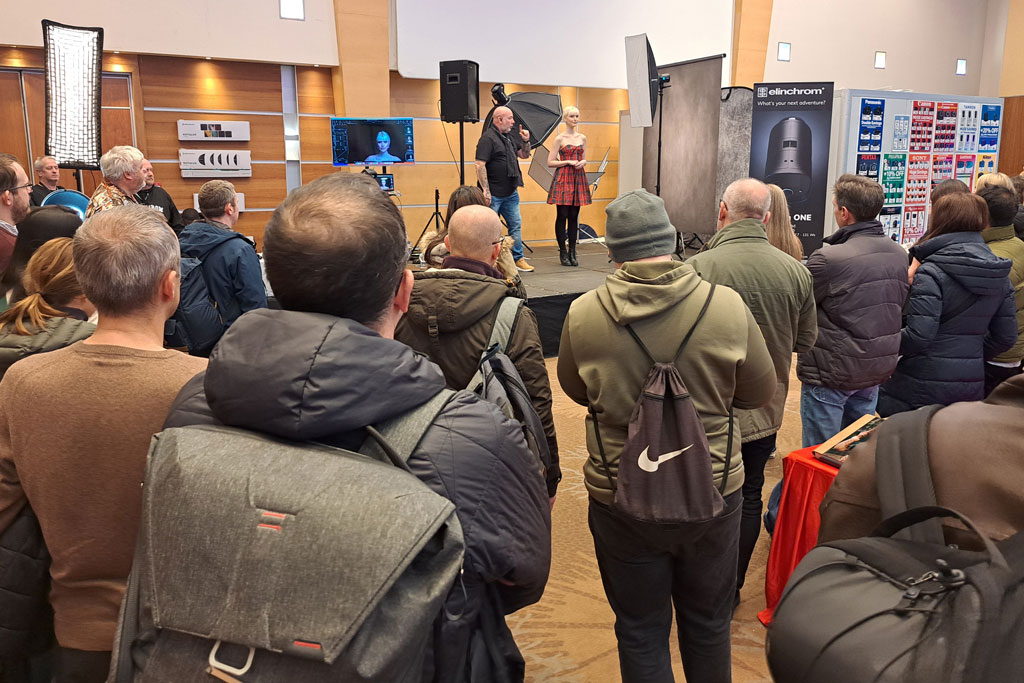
x=805 y=481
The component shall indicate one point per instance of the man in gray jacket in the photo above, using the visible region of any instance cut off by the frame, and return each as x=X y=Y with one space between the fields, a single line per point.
x=327 y=366
x=779 y=293
x=860 y=284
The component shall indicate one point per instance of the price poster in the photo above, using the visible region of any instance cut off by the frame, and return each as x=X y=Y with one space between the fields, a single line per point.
x=922 y=122
x=918 y=170
x=891 y=219
x=965 y=169
x=945 y=127
x=988 y=136
x=914 y=223
x=894 y=173
x=867 y=165
x=986 y=164
x=872 y=113
x=901 y=134
x=942 y=168
x=968 y=125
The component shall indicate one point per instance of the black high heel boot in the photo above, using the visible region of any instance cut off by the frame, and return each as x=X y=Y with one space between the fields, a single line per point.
x=572 y=257
x=563 y=256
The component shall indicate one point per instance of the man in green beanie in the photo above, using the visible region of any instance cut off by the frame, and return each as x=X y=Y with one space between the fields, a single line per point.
x=645 y=567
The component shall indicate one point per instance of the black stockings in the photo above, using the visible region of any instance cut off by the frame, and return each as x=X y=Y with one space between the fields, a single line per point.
x=570 y=214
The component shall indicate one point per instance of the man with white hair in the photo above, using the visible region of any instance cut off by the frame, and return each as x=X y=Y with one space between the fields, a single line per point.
x=497 y=171
x=75 y=427
x=122 y=173
x=779 y=292
x=47 y=174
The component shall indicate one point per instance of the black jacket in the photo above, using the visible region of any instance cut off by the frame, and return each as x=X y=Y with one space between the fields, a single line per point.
x=26 y=618
x=961 y=312
x=860 y=284
x=305 y=376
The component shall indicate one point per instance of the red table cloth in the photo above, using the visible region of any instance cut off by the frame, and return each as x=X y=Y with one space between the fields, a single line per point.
x=805 y=481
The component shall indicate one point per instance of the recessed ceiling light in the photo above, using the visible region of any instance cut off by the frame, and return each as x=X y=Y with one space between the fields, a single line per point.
x=784 y=53
x=879 y=60
x=316 y=65
x=961 y=67
x=209 y=58
x=117 y=52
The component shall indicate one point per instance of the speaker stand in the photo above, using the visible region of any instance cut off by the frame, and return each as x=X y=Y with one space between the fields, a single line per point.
x=462 y=153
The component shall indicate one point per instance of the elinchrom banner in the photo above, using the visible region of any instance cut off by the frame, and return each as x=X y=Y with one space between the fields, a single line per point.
x=789 y=144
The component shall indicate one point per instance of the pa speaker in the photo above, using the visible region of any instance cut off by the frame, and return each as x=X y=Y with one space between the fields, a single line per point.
x=460 y=91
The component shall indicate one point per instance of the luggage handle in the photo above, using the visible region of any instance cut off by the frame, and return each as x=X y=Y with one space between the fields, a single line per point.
x=221 y=666
x=897 y=523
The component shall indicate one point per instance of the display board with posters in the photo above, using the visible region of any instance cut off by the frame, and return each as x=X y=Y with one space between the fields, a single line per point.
x=925 y=139
x=791 y=131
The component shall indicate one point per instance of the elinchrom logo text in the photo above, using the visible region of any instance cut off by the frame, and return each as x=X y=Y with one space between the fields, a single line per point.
x=796 y=91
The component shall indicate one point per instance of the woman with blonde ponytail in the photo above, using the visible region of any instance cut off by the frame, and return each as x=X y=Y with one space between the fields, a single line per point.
x=54 y=311
x=779 y=229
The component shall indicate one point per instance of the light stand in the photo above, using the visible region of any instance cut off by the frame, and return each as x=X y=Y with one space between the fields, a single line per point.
x=462 y=153
x=663 y=80
x=435 y=218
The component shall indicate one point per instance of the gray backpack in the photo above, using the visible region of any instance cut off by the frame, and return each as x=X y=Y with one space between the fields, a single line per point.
x=497 y=380
x=265 y=560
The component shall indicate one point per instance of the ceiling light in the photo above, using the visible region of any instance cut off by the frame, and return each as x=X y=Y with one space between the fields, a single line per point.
x=784 y=52
x=293 y=9
x=961 y=67
x=879 y=60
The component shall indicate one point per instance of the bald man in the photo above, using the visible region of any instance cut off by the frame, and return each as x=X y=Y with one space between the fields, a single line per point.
x=497 y=171
x=779 y=292
x=452 y=310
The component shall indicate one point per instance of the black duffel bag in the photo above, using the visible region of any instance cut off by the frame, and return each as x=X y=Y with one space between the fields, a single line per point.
x=901 y=605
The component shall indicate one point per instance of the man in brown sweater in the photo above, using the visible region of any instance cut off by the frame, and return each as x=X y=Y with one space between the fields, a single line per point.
x=75 y=426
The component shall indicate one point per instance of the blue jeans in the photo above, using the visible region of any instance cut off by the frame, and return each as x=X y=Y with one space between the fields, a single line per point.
x=824 y=412
x=508 y=208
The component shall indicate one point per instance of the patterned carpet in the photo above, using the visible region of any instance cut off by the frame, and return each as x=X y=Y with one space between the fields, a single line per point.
x=567 y=637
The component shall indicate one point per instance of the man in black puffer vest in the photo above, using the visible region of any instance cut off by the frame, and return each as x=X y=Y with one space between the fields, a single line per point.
x=860 y=284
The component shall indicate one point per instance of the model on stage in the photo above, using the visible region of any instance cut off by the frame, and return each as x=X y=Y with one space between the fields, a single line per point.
x=569 y=188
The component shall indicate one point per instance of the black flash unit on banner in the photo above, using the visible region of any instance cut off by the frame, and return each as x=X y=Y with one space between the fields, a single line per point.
x=789 y=158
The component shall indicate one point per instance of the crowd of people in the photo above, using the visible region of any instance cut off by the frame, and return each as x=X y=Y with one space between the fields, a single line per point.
x=356 y=340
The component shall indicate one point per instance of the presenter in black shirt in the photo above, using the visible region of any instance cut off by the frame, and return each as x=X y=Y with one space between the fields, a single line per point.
x=497 y=169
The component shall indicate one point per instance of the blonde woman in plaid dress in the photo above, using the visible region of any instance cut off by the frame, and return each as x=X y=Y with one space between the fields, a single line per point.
x=569 y=188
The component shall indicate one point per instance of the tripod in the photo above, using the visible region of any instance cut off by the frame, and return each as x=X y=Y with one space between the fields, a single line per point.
x=435 y=218
x=662 y=84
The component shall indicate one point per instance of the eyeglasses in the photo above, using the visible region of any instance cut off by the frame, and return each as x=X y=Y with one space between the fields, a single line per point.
x=12 y=190
x=500 y=240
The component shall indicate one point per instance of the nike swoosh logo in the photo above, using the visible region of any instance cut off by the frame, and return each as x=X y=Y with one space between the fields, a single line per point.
x=648 y=465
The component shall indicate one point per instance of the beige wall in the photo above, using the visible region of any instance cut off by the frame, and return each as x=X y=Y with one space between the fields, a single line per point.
x=836 y=41
x=224 y=29
x=1012 y=81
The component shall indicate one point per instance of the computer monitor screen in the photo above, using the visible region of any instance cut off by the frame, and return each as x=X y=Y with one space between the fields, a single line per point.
x=387 y=181
x=371 y=142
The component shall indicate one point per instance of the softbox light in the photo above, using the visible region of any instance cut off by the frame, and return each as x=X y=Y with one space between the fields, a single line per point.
x=538 y=112
x=74 y=78
x=641 y=81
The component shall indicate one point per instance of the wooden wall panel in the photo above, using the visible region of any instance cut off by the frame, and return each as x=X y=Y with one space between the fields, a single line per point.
x=599 y=104
x=116 y=92
x=266 y=132
x=315 y=90
x=201 y=84
x=415 y=96
x=116 y=127
x=1011 y=147
x=251 y=224
x=315 y=138
x=12 y=120
x=264 y=190
x=311 y=172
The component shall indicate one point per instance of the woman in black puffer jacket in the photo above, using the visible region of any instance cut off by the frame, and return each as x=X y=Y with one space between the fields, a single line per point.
x=960 y=311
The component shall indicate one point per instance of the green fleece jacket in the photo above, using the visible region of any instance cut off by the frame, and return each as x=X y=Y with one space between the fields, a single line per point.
x=1004 y=243
x=779 y=292
x=725 y=364
x=58 y=333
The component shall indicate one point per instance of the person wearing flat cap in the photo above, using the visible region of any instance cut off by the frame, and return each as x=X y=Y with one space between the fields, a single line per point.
x=645 y=567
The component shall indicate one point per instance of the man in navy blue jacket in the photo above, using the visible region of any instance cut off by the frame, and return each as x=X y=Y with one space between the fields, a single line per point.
x=230 y=265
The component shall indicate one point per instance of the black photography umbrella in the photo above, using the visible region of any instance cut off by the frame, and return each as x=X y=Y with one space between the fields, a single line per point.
x=538 y=112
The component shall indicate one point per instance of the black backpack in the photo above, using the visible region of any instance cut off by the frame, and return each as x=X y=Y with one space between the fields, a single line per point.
x=497 y=380
x=901 y=605
x=197 y=323
x=664 y=472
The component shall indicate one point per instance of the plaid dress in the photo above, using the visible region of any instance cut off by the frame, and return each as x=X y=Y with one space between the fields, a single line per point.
x=569 y=186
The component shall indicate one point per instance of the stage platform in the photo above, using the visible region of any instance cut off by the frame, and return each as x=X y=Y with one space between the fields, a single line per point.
x=552 y=287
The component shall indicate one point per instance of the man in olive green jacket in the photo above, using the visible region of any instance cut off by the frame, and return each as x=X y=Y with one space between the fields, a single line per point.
x=647 y=567
x=1004 y=243
x=779 y=292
